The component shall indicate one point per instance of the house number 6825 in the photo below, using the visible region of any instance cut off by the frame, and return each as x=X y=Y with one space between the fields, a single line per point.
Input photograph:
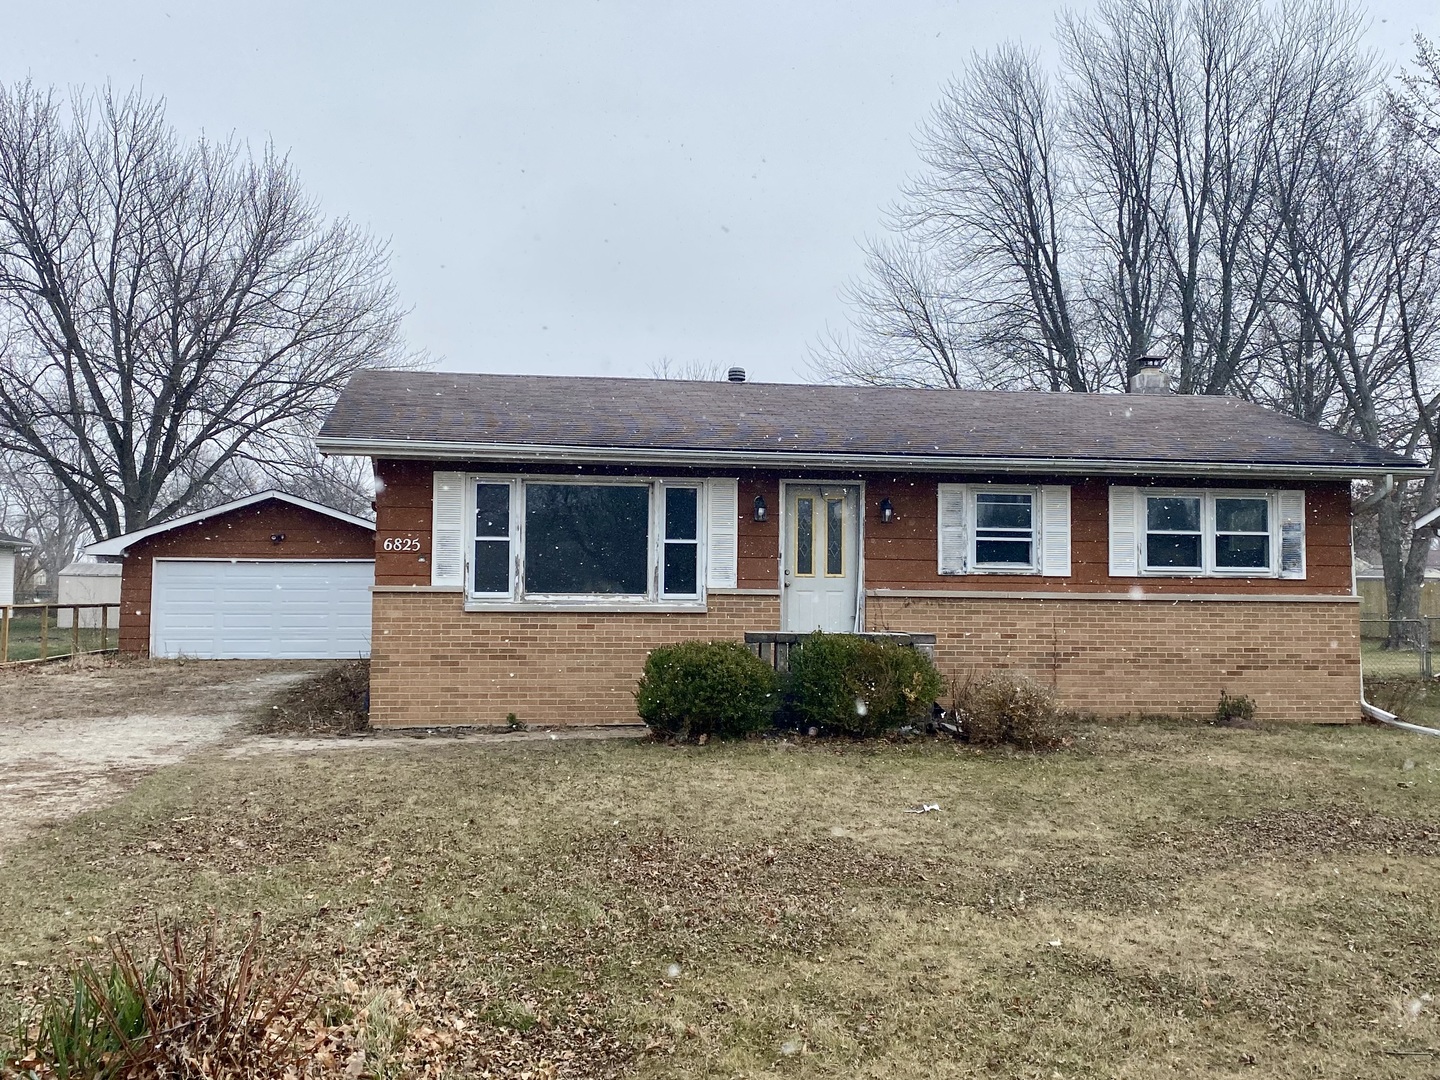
x=401 y=543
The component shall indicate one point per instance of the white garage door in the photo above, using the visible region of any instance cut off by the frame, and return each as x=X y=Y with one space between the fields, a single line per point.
x=261 y=609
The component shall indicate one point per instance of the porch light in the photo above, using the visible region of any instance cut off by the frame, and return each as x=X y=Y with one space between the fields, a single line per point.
x=887 y=512
x=761 y=514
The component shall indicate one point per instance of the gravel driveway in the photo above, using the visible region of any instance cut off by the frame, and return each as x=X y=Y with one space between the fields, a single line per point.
x=72 y=738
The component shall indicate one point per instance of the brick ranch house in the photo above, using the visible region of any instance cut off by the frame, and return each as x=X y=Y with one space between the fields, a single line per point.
x=537 y=536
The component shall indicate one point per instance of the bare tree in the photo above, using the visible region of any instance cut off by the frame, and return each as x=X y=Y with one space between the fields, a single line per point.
x=997 y=199
x=910 y=329
x=689 y=370
x=172 y=315
x=1116 y=130
x=36 y=508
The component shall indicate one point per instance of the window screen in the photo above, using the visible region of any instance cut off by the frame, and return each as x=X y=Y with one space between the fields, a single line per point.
x=586 y=539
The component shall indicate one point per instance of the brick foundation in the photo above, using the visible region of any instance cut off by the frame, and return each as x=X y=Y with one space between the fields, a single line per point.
x=1300 y=661
x=435 y=664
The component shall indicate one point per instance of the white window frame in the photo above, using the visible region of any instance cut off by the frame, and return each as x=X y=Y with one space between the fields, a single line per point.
x=1207 y=497
x=972 y=512
x=653 y=599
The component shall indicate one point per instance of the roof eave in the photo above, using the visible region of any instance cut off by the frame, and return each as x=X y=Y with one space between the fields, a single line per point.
x=530 y=453
x=118 y=545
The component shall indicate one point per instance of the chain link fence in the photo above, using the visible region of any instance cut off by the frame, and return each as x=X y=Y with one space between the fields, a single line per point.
x=1396 y=648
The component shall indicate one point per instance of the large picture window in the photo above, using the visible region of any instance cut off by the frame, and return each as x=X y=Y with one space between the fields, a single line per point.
x=625 y=541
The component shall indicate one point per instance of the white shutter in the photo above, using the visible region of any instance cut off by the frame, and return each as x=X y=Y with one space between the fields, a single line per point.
x=953 y=543
x=1125 y=509
x=722 y=533
x=1292 y=534
x=1055 y=530
x=447 y=531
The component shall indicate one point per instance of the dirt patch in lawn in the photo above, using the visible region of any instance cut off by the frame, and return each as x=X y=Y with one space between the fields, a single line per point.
x=75 y=737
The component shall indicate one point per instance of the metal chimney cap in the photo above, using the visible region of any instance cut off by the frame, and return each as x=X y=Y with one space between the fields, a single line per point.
x=736 y=374
x=1151 y=361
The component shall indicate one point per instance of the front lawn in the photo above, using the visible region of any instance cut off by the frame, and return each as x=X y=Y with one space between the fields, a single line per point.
x=1159 y=900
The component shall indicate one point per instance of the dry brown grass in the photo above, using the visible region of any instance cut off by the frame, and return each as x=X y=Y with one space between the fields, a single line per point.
x=118 y=686
x=1158 y=900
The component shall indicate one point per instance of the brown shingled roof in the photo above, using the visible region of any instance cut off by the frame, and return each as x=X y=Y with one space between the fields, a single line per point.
x=432 y=414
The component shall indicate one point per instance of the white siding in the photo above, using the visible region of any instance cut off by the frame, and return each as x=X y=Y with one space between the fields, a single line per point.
x=7 y=576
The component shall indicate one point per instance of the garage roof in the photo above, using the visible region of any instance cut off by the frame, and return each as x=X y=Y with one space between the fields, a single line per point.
x=8 y=542
x=118 y=545
x=548 y=418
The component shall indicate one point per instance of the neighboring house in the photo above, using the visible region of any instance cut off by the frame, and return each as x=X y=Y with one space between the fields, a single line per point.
x=537 y=536
x=9 y=545
x=90 y=585
x=269 y=576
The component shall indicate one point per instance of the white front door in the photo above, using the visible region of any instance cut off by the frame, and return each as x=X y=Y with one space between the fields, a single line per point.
x=821 y=563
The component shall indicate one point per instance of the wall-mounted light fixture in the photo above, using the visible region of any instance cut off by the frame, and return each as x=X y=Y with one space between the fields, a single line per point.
x=761 y=514
x=887 y=512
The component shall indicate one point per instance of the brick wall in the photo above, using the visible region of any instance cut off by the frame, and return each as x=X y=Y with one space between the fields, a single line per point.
x=244 y=533
x=434 y=664
x=1300 y=660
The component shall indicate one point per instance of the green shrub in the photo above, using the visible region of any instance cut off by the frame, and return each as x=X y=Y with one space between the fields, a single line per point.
x=1238 y=711
x=707 y=688
x=858 y=685
x=1007 y=708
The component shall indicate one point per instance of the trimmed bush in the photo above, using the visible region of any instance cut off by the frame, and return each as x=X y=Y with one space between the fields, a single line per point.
x=860 y=686
x=1007 y=708
x=707 y=688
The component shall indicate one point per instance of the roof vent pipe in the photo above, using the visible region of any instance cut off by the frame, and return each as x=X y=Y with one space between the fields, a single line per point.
x=737 y=374
x=1150 y=376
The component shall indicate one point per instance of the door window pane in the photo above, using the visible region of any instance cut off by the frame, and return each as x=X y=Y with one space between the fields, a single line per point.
x=1172 y=532
x=586 y=538
x=1004 y=529
x=682 y=548
x=834 y=537
x=805 y=536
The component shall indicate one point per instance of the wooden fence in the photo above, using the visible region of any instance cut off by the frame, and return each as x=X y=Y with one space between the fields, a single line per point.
x=1372 y=599
x=32 y=633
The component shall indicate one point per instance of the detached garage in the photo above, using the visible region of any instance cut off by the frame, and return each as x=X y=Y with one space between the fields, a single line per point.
x=270 y=576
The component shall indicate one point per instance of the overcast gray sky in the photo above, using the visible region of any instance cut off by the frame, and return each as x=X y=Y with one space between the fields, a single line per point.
x=576 y=187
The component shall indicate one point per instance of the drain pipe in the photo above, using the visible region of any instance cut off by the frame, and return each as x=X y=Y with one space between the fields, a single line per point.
x=1374 y=712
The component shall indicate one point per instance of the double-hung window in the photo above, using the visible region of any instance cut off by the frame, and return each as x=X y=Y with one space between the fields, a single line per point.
x=1209 y=533
x=621 y=541
x=1004 y=531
